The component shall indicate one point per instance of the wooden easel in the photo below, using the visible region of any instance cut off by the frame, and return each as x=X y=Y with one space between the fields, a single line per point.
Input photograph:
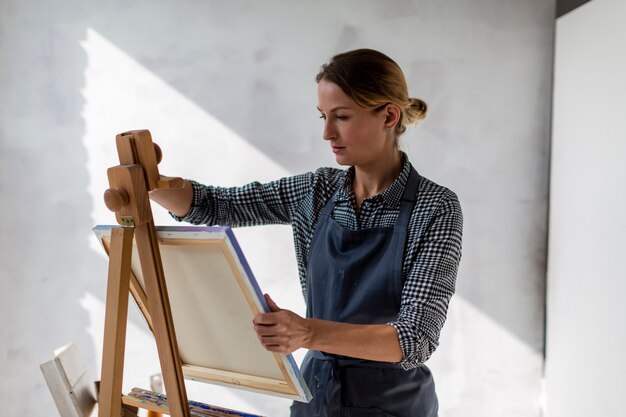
x=127 y=196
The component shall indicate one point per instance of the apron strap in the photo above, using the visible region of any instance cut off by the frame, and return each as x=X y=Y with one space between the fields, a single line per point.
x=409 y=197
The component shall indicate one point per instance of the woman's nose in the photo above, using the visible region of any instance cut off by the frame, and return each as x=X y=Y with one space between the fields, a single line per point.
x=329 y=132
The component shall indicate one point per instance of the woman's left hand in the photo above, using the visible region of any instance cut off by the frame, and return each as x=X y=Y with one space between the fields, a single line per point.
x=281 y=331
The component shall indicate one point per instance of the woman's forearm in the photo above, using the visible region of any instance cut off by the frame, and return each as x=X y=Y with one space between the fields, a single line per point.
x=284 y=331
x=176 y=200
x=377 y=342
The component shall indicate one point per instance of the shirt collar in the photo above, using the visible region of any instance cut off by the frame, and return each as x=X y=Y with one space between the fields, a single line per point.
x=391 y=196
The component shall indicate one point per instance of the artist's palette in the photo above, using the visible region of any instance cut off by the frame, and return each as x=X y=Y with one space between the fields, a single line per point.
x=157 y=402
x=214 y=297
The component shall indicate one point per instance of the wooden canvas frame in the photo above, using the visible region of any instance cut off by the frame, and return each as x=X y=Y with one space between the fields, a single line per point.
x=214 y=297
x=71 y=386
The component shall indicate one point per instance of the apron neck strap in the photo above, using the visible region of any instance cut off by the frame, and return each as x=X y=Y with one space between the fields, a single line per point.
x=409 y=197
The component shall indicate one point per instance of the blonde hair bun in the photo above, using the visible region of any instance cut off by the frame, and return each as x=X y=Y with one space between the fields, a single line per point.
x=416 y=111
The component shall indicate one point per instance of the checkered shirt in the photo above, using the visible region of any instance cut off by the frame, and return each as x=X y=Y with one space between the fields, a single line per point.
x=432 y=252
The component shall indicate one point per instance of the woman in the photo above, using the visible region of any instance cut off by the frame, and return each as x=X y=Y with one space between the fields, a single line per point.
x=377 y=245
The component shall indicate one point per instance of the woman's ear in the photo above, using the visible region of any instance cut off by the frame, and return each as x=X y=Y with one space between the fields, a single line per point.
x=392 y=115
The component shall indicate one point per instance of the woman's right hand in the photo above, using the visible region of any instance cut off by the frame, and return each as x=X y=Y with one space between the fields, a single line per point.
x=176 y=200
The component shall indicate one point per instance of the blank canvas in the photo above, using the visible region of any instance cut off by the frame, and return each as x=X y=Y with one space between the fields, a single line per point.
x=214 y=297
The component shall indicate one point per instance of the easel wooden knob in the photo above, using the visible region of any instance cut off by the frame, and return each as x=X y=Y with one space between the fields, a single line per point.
x=158 y=152
x=115 y=199
x=127 y=196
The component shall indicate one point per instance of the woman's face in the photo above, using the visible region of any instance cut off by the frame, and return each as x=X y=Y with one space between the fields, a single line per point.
x=356 y=135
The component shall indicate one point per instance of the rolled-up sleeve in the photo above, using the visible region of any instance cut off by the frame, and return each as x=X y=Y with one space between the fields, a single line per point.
x=430 y=283
x=251 y=205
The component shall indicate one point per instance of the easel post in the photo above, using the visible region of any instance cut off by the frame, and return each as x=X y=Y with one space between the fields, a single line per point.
x=128 y=198
x=115 y=321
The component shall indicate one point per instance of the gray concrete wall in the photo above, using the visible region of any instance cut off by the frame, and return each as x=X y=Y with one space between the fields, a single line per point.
x=586 y=326
x=235 y=79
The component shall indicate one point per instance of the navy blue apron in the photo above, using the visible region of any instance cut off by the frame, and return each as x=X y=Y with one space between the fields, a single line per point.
x=355 y=276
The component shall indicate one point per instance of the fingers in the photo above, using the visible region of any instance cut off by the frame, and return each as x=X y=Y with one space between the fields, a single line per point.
x=282 y=330
x=269 y=319
x=278 y=320
x=274 y=337
x=271 y=303
x=277 y=344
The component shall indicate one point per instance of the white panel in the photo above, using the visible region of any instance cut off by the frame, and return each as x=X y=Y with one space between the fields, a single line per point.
x=586 y=341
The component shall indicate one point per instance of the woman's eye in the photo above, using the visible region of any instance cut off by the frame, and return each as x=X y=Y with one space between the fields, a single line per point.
x=337 y=116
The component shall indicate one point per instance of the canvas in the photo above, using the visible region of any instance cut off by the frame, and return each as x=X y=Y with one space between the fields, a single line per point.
x=214 y=297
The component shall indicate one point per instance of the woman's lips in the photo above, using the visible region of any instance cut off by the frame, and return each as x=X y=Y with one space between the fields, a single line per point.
x=337 y=148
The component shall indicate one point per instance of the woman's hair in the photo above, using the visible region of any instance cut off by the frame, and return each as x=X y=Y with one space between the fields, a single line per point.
x=373 y=80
